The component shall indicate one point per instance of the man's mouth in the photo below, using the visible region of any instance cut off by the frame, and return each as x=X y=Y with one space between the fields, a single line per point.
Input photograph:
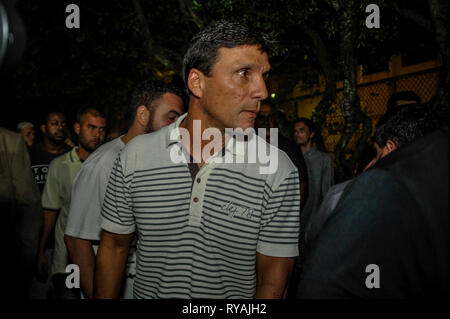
x=253 y=114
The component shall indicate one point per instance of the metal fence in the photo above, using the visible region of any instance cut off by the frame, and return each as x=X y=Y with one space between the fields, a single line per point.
x=374 y=97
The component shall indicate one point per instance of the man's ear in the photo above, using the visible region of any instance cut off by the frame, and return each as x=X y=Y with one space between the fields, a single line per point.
x=76 y=128
x=142 y=115
x=196 y=82
x=390 y=146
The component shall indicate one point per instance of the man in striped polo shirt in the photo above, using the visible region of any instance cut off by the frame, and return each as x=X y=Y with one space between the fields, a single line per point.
x=207 y=228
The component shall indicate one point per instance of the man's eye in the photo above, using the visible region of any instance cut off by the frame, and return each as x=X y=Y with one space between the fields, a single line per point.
x=243 y=72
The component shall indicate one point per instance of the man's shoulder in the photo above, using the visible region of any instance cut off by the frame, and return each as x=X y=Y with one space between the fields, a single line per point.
x=9 y=134
x=146 y=141
x=321 y=154
x=61 y=159
x=106 y=152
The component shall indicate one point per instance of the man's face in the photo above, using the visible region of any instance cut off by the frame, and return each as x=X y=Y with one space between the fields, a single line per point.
x=302 y=135
x=167 y=109
x=231 y=95
x=91 y=131
x=28 y=135
x=54 y=129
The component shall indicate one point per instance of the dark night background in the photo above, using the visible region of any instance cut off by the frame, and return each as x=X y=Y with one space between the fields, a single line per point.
x=121 y=43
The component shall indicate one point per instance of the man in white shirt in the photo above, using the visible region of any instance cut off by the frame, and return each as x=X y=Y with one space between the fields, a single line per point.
x=154 y=105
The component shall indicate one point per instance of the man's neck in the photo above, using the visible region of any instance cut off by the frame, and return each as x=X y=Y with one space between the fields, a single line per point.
x=305 y=148
x=196 y=149
x=132 y=132
x=52 y=147
x=82 y=153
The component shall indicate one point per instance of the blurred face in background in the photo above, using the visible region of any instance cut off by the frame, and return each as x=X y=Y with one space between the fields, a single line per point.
x=28 y=134
x=91 y=131
x=302 y=134
x=54 y=130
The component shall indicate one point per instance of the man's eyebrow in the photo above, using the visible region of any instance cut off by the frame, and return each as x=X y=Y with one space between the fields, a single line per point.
x=173 y=111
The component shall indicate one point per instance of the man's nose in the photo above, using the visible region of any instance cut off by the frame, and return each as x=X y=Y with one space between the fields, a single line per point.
x=260 y=89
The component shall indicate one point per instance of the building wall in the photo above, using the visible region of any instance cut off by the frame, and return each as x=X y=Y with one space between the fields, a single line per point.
x=374 y=91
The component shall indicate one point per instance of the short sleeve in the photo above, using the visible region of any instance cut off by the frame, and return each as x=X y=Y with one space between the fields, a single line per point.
x=88 y=190
x=51 y=198
x=280 y=223
x=117 y=214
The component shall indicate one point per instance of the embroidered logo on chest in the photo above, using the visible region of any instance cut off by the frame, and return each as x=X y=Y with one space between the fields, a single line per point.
x=233 y=209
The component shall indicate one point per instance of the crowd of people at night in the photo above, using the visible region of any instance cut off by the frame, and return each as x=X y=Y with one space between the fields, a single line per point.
x=138 y=224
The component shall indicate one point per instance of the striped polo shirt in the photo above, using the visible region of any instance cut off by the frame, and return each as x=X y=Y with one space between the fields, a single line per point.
x=198 y=235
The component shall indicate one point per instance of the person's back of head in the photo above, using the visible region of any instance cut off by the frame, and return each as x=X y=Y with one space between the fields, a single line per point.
x=402 y=98
x=406 y=124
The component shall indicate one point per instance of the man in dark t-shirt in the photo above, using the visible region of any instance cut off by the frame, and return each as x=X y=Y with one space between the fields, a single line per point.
x=52 y=145
x=41 y=154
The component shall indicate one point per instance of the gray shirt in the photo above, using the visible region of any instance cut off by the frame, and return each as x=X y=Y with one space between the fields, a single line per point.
x=198 y=237
x=320 y=179
x=329 y=203
x=88 y=192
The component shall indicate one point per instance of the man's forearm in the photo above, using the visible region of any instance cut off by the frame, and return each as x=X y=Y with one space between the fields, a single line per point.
x=110 y=266
x=49 y=222
x=82 y=254
x=271 y=291
x=273 y=275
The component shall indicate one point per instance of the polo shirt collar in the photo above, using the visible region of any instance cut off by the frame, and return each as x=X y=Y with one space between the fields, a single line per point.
x=73 y=155
x=238 y=148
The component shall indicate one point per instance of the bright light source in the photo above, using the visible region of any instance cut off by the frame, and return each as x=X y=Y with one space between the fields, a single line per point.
x=272 y=95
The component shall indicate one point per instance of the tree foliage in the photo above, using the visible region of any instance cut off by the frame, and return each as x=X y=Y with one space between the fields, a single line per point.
x=121 y=43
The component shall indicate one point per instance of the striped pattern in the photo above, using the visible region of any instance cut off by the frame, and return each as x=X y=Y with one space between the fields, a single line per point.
x=242 y=212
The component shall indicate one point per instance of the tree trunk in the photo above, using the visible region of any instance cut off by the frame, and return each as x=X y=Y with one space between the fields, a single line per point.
x=329 y=96
x=168 y=58
x=350 y=107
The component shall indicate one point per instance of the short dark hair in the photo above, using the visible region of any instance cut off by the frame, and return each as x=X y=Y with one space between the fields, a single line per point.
x=310 y=124
x=88 y=110
x=147 y=92
x=202 y=50
x=402 y=96
x=45 y=118
x=405 y=124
